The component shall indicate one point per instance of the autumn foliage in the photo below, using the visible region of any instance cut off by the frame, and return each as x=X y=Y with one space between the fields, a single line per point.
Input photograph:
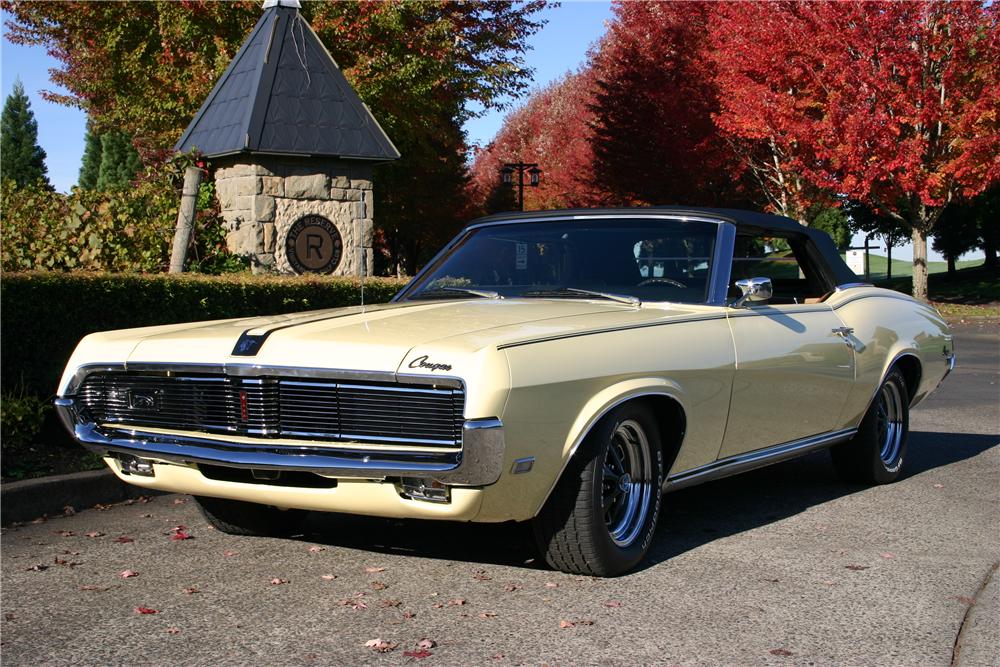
x=786 y=106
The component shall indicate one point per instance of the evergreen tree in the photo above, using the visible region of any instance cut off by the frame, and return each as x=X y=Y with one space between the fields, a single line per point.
x=91 y=166
x=21 y=158
x=119 y=161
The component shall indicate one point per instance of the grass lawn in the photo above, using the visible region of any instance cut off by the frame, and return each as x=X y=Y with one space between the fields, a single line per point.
x=878 y=266
x=970 y=292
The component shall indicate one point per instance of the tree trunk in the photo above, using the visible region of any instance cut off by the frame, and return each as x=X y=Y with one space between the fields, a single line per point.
x=185 y=219
x=951 y=265
x=919 y=263
x=989 y=246
x=888 y=259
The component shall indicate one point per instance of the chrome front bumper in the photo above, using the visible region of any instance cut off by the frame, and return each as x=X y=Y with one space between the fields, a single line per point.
x=478 y=463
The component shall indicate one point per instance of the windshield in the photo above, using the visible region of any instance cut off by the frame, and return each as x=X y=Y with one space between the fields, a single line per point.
x=623 y=259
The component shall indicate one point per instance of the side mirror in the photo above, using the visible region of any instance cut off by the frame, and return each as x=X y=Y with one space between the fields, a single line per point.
x=755 y=290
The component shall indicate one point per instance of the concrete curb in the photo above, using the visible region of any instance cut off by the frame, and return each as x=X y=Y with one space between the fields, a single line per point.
x=31 y=498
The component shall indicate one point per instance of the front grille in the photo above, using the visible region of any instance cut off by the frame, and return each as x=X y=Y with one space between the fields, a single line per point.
x=271 y=407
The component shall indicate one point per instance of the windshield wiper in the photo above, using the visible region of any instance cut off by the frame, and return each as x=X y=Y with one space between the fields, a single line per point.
x=445 y=292
x=561 y=291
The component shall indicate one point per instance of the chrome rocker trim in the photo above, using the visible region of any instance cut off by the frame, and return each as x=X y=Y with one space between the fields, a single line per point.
x=733 y=465
x=478 y=463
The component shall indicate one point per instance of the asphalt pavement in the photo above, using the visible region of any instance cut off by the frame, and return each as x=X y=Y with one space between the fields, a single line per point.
x=781 y=566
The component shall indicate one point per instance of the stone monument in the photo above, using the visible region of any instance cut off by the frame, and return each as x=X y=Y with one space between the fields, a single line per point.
x=293 y=147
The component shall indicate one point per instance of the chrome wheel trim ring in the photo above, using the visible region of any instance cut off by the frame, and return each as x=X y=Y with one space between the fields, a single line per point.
x=627 y=483
x=889 y=422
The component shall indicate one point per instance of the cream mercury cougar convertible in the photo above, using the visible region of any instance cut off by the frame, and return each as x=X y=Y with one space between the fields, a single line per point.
x=565 y=367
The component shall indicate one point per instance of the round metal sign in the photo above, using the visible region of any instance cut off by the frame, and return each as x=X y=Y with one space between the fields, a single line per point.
x=313 y=245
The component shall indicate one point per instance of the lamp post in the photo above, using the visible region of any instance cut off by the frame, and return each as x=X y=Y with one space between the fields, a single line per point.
x=522 y=168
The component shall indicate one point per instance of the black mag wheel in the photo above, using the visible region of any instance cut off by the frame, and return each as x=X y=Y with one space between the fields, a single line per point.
x=627 y=482
x=875 y=454
x=601 y=516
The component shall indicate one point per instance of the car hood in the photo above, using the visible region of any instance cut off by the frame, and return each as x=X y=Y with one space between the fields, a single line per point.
x=430 y=338
x=373 y=338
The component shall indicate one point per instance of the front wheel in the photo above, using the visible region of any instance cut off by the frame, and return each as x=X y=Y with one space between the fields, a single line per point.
x=875 y=454
x=601 y=516
x=237 y=517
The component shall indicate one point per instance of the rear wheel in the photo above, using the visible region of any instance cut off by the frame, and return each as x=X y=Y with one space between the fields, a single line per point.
x=601 y=516
x=237 y=517
x=875 y=454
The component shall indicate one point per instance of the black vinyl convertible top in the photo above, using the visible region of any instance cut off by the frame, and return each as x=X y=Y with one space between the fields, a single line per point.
x=821 y=241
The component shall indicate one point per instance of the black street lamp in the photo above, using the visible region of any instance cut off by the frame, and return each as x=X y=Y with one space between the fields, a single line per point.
x=507 y=177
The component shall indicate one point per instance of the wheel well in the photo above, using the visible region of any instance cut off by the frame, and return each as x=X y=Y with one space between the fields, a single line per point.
x=909 y=366
x=672 y=422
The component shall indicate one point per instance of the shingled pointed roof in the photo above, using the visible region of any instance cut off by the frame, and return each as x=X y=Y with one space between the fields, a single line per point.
x=283 y=93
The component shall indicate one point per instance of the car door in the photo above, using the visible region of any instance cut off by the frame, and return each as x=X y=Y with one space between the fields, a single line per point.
x=794 y=360
x=793 y=375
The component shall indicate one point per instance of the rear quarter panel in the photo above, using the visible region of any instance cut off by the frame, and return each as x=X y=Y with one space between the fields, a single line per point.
x=888 y=325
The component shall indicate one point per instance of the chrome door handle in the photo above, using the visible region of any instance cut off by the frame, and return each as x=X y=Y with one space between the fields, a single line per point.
x=845 y=333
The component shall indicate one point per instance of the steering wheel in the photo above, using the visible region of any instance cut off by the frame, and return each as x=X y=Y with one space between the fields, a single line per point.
x=668 y=281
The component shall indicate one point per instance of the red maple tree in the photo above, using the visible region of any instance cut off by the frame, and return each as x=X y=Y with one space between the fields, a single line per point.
x=553 y=129
x=891 y=104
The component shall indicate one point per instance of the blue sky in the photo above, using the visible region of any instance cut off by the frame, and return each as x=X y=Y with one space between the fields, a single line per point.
x=560 y=47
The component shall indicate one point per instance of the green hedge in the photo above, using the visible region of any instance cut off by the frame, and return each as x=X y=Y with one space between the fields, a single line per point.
x=44 y=315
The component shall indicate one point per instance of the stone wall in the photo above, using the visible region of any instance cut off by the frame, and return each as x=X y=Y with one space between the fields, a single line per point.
x=261 y=196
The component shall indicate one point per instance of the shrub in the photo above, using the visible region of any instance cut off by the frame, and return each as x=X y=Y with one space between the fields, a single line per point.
x=21 y=419
x=45 y=314
x=121 y=229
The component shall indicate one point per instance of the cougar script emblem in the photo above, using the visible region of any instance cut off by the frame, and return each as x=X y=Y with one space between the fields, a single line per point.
x=421 y=362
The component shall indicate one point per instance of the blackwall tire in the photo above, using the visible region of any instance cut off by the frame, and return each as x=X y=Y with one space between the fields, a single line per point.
x=601 y=516
x=237 y=517
x=875 y=454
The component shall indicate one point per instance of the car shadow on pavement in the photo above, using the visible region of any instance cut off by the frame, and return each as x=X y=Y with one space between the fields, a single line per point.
x=691 y=517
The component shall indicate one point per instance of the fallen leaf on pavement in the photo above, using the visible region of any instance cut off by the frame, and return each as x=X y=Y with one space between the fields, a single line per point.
x=488 y=614
x=390 y=603
x=69 y=510
x=419 y=655
x=426 y=643
x=36 y=568
x=963 y=599
x=480 y=575
x=328 y=577
x=550 y=584
x=380 y=645
x=887 y=555
x=101 y=507
x=146 y=610
x=316 y=550
x=173 y=631
x=566 y=624
x=379 y=586
x=857 y=568
x=277 y=581
x=191 y=589
x=227 y=554
x=124 y=539
x=65 y=533
x=94 y=533
x=66 y=563
x=374 y=570
x=181 y=535
x=41 y=519
x=939 y=486
x=780 y=651
x=510 y=588
x=407 y=615
x=125 y=574
x=180 y=501
x=457 y=602
x=612 y=604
